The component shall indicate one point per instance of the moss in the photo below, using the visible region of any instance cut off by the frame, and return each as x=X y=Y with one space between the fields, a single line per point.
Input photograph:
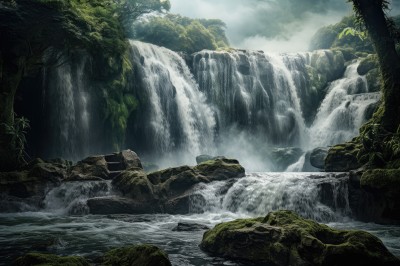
x=209 y=237
x=385 y=180
x=49 y=260
x=284 y=238
x=138 y=255
x=367 y=64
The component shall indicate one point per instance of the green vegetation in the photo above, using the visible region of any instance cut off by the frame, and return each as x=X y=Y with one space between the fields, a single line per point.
x=138 y=255
x=181 y=33
x=342 y=35
x=17 y=136
x=37 y=259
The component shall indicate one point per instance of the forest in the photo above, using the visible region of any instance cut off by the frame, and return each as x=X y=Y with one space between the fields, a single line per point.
x=165 y=132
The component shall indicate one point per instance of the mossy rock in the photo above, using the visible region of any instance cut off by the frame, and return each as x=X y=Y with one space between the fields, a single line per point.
x=343 y=157
x=367 y=64
x=220 y=169
x=138 y=255
x=134 y=184
x=284 y=238
x=384 y=180
x=38 y=259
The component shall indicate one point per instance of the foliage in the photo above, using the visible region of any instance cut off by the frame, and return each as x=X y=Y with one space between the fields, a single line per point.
x=345 y=34
x=181 y=33
x=17 y=132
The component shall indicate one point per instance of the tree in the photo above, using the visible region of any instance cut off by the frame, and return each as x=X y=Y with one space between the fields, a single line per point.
x=372 y=13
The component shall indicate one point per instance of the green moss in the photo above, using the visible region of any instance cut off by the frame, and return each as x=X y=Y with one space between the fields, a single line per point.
x=283 y=238
x=138 y=255
x=49 y=260
x=209 y=237
x=385 y=180
x=367 y=64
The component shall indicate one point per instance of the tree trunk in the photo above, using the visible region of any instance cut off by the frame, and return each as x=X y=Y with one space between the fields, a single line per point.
x=372 y=13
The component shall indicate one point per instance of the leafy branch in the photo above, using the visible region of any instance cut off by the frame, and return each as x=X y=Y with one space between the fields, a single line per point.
x=17 y=132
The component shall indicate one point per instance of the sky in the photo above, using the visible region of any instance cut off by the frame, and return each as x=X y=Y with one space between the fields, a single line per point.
x=269 y=25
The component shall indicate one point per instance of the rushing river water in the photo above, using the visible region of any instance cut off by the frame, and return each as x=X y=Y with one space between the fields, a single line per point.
x=255 y=195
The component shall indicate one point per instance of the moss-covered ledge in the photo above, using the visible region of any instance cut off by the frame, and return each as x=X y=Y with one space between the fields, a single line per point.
x=284 y=238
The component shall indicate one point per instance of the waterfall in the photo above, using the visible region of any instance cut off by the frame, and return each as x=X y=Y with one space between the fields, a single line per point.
x=343 y=111
x=66 y=110
x=255 y=92
x=322 y=197
x=173 y=115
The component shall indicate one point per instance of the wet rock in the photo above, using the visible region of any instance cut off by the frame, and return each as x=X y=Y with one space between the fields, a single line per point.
x=91 y=168
x=318 y=156
x=134 y=184
x=283 y=157
x=343 y=158
x=120 y=205
x=203 y=158
x=49 y=260
x=171 y=188
x=130 y=159
x=183 y=227
x=283 y=238
x=138 y=255
x=220 y=169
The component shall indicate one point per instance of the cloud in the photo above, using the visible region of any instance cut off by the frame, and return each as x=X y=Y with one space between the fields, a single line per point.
x=274 y=25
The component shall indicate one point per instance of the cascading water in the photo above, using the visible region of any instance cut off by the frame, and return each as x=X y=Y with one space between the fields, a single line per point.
x=71 y=197
x=322 y=197
x=173 y=113
x=343 y=110
x=66 y=110
x=253 y=91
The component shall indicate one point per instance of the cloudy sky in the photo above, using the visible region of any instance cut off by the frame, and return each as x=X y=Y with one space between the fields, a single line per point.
x=270 y=25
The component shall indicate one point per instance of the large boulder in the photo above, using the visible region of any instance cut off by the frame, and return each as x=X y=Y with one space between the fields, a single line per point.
x=220 y=169
x=318 y=156
x=32 y=259
x=138 y=255
x=283 y=238
x=91 y=168
x=134 y=184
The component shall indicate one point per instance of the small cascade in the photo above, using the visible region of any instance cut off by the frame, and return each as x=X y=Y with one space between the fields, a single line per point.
x=70 y=198
x=66 y=110
x=343 y=111
x=173 y=115
x=322 y=197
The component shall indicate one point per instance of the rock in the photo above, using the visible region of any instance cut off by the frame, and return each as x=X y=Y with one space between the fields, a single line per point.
x=91 y=168
x=283 y=238
x=283 y=157
x=49 y=260
x=138 y=255
x=343 y=158
x=130 y=159
x=183 y=227
x=318 y=156
x=120 y=205
x=220 y=169
x=367 y=64
x=170 y=189
x=135 y=184
x=203 y=158
x=384 y=185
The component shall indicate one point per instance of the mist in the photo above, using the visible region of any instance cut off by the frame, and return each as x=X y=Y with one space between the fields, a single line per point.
x=269 y=25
